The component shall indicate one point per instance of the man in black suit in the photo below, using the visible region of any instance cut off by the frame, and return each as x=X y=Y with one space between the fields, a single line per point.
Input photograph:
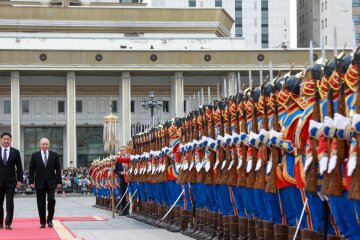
x=45 y=168
x=121 y=171
x=11 y=175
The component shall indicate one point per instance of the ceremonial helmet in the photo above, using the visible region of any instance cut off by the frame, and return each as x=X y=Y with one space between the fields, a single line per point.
x=342 y=63
x=312 y=76
x=266 y=91
x=351 y=75
x=282 y=94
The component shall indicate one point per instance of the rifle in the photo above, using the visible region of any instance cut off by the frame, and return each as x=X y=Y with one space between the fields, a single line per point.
x=234 y=118
x=204 y=131
x=180 y=179
x=311 y=178
x=209 y=179
x=271 y=185
x=354 y=192
x=241 y=181
x=227 y=119
x=195 y=135
x=335 y=187
x=330 y=113
x=260 y=182
x=220 y=156
x=251 y=176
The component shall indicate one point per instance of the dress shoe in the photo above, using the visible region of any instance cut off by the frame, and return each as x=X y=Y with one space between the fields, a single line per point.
x=42 y=225
x=8 y=227
x=50 y=224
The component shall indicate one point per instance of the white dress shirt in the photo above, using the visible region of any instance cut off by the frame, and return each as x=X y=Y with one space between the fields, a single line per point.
x=7 y=152
x=42 y=156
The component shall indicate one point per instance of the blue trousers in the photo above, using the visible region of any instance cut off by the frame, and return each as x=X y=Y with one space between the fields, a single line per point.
x=223 y=197
x=239 y=201
x=187 y=200
x=211 y=203
x=344 y=214
x=249 y=201
x=199 y=194
x=260 y=201
x=272 y=205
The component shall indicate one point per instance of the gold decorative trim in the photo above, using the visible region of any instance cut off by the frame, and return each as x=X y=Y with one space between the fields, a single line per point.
x=5 y=91
x=97 y=90
x=62 y=231
x=43 y=90
x=136 y=90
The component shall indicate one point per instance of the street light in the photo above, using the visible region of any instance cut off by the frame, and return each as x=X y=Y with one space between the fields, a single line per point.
x=152 y=104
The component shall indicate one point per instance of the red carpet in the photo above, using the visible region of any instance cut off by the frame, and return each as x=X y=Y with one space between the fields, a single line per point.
x=28 y=229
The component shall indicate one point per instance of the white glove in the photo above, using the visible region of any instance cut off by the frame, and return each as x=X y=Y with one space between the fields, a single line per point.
x=223 y=164
x=231 y=164
x=249 y=165
x=216 y=164
x=332 y=163
x=269 y=166
x=328 y=122
x=340 y=121
x=240 y=161
x=351 y=165
x=207 y=166
x=258 y=165
x=185 y=166
x=177 y=167
x=191 y=165
x=308 y=162
x=198 y=166
x=323 y=164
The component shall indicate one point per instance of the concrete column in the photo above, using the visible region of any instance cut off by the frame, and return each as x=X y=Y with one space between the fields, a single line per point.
x=125 y=110
x=177 y=95
x=71 y=154
x=231 y=83
x=15 y=109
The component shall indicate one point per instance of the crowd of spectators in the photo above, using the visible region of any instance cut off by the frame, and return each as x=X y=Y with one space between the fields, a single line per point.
x=73 y=179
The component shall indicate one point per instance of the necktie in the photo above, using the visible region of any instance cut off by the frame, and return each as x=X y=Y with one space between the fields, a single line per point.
x=45 y=159
x=5 y=157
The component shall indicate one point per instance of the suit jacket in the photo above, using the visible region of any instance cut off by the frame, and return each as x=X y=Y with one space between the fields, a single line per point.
x=118 y=169
x=8 y=174
x=51 y=173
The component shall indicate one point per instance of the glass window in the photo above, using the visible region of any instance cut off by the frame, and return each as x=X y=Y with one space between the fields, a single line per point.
x=218 y=3
x=357 y=36
x=264 y=5
x=192 y=3
x=79 y=106
x=326 y=22
x=322 y=7
x=356 y=19
x=89 y=145
x=132 y=106
x=185 y=102
x=7 y=107
x=166 y=106
x=114 y=106
x=25 y=105
x=356 y=3
x=32 y=136
x=61 y=106
x=325 y=5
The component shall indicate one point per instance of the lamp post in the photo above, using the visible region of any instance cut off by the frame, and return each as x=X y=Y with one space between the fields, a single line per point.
x=151 y=103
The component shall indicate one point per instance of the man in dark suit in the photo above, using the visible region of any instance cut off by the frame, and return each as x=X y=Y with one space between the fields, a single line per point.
x=45 y=168
x=120 y=170
x=11 y=176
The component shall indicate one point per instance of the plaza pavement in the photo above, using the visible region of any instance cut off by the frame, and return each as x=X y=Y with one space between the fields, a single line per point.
x=113 y=229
